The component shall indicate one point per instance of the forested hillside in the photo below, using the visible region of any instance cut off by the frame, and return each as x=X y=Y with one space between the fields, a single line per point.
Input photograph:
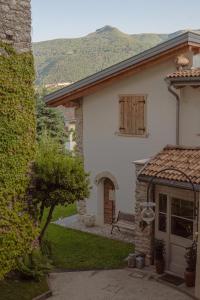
x=68 y=60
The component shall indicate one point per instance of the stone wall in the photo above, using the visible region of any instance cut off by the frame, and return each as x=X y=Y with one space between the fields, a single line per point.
x=15 y=23
x=144 y=232
x=79 y=126
x=197 y=285
x=81 y=205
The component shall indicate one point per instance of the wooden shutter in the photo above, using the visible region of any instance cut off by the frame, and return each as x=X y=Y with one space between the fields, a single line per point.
x=132 y=114
x=122 y=126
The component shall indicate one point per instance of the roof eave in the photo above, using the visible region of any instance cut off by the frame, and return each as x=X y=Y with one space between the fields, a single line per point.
x=166 y=182
x=184 y=81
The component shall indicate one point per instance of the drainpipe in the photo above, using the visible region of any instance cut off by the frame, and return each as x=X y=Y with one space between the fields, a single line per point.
x=172 y=91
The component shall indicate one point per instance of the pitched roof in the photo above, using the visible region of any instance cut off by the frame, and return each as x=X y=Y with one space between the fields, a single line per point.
x=185 y=159
x=189 y=73
x=77 y=89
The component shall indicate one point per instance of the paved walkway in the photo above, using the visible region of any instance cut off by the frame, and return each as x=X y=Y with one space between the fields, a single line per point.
x=104 y=230
x=123 y=284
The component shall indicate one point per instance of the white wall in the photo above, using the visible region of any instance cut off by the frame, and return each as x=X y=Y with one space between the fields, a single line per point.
x=190 y=116
x=104 y=150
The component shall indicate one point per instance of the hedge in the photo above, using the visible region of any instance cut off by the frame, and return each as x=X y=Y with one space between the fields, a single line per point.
x=17 y=150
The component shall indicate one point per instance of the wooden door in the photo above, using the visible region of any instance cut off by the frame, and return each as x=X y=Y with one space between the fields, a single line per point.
x=109 y=201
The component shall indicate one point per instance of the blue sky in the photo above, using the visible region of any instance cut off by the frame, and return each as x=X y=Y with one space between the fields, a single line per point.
x=75 y=18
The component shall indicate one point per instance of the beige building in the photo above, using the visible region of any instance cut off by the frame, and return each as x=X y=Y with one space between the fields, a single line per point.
x=129 y=112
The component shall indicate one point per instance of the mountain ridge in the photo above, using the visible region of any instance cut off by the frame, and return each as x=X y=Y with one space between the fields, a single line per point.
x=71 y=59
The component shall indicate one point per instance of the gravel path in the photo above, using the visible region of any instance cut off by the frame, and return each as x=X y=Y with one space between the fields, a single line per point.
x=104 y=230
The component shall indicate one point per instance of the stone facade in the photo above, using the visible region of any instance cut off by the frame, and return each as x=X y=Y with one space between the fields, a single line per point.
x=79 y=126
x=144 y=232
x=81 y=205
x=197 y=285
x=15 y=24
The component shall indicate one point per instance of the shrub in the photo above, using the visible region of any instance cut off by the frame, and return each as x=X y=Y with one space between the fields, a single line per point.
x=34 y=265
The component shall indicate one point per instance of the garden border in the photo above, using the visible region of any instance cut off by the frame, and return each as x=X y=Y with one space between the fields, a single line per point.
x=47 y=294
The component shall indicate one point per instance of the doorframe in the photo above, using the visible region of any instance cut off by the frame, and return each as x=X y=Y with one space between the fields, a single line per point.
x=170 y=192
x=99 y=183
x=112 y=200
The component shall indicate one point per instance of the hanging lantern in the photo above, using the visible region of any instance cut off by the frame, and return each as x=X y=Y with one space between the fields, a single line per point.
x=148 y=214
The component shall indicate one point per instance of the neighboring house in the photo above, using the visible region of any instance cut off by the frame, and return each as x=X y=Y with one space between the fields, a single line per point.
x=70 y=125
x=129 y=112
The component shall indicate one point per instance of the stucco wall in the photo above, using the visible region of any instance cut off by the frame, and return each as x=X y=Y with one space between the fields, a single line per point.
x=189 y=116
x=15 y=23
x=104 y=150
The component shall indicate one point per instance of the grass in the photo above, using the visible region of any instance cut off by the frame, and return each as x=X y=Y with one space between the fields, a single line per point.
x=27 y=290
x=22 y=290
x=61 y=212
x=71 y=249
x=76 y=250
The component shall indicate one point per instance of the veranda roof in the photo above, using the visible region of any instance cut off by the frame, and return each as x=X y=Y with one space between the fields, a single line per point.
x=185 y=159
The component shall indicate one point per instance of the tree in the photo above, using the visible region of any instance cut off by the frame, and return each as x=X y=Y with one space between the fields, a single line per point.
x=50 y=120
x=59 y=178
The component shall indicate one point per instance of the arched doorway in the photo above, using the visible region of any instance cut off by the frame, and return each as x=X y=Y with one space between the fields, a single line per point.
x=109 y=201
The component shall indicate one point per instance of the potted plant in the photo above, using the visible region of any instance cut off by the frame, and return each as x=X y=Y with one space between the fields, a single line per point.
x=191 y=259
x=159 y=251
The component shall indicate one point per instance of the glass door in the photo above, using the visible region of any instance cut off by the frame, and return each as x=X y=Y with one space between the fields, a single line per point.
x=175 y=225
x=181 y=232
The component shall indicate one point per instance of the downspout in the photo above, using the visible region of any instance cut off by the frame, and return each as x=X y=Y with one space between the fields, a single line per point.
x=172 y=91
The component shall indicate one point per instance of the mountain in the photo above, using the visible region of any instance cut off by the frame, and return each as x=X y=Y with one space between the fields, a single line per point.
x=68 y=60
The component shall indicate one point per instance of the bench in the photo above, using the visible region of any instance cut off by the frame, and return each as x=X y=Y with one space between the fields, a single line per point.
x=125 y=221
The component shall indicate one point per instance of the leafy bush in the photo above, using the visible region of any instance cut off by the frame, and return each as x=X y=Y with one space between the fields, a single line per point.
x=191 y=256
x=159 y=249
x=34 y=265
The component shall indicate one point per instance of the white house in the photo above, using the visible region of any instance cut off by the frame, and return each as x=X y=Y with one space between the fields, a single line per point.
x=129 y=112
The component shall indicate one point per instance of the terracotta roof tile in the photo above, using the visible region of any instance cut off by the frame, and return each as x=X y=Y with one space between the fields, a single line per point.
x=185 y=73
x=186 y=159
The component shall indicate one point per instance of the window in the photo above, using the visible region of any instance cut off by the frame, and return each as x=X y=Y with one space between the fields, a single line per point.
x=182 y=215
x=132 y=114
x=196 y=61
x=162 y=214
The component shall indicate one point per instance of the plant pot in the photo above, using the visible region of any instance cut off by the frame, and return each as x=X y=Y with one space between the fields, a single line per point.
x=89 y=220
x=189 y=278
x=160 y=266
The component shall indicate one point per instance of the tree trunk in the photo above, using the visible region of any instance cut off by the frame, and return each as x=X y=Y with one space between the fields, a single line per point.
x=41 y=212
x=47 y=222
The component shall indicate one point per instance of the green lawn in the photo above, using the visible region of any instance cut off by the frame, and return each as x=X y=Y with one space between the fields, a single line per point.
x=21 y=290
x=75 y=250
x=62 y=211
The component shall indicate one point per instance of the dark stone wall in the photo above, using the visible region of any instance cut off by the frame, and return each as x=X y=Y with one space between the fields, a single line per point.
x=15 y=23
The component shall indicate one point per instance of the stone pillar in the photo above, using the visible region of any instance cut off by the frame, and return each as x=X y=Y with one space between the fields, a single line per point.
x=197 y=285
x=15 y=24
x=144 y=232
x=81 y=205
x=79 y=127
